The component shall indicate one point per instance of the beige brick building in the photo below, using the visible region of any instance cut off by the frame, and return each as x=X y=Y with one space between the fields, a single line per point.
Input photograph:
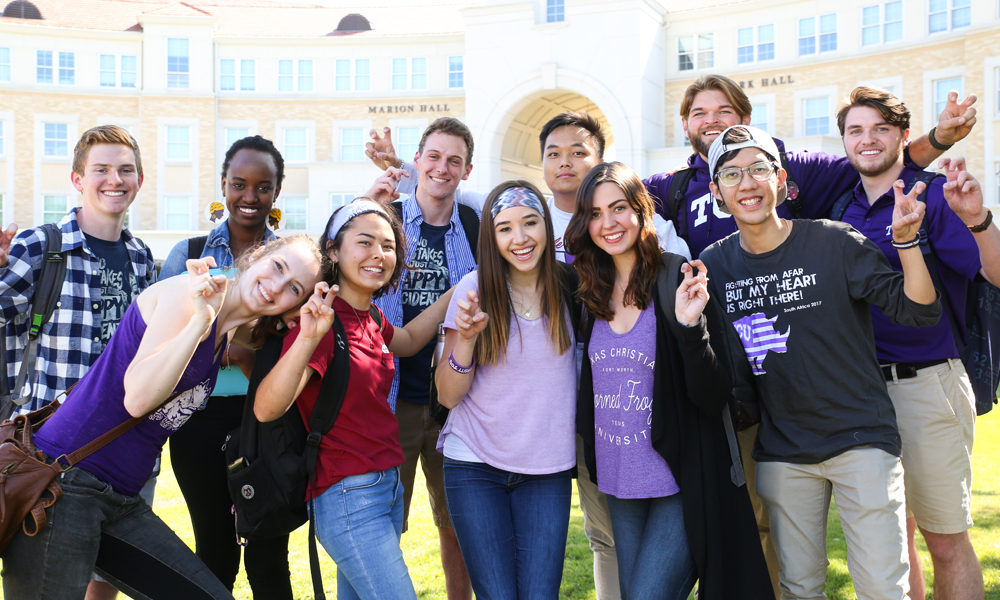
x=189 y=78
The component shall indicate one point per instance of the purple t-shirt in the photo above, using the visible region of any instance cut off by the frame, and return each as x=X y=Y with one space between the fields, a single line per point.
x=627 y=464
x=958 y=262
x=822 y=179
x=97 y=404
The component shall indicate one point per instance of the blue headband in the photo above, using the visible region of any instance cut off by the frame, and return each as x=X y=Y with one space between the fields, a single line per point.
x=358 y=207
x=517 y=196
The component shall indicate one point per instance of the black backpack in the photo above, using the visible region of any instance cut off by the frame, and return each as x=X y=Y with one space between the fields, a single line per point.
x=977 y=345
x=47 y=290
x=677 y=191
x=272 y=465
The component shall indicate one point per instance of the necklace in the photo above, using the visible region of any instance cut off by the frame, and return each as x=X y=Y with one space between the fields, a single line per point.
x=620 y=286
x=517 y=302
x=364 y=331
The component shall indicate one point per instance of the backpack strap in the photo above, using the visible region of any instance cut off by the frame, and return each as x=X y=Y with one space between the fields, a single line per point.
x=668 y=279
x=569 y=281
x=47 y=289
x=794 y=204
x=196 y=246
x=470 y=223
x=676 y=204
x=376 y=316
x=840 y=206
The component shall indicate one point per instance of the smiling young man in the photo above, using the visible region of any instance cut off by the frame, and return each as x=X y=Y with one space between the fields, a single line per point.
x=927 y=381
x=797 y=292
x=106 y=269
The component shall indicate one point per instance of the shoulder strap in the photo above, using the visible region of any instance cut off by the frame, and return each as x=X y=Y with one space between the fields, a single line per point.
x=376 y=316
x=569 y=282
x=794 y=204
x=196 y=246
x=676 y=205
x=470 y=223
x=840 y=206
x=668 y=278
x=397 y=209
x=47 y=289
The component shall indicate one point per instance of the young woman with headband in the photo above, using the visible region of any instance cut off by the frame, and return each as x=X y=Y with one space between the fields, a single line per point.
x=170 y=341
x=357 y=498
x=510 y=381
x=652 y=391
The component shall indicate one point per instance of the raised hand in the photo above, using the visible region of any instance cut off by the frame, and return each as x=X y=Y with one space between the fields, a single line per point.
x=381 y=151
x=956 y=120
x=908 y=213
x=317 y=313
x=962 y=192
x=383 y=190
x=470 y=321
x=207 y=290
x=6 y=237
x=692 y=293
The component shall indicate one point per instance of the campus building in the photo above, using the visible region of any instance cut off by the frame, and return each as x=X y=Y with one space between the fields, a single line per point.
x=188 y=78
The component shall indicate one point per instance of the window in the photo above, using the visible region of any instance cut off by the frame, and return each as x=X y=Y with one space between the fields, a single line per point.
x=745 y=44
x=338 y=200
x=1 y=146
x=178 y=143
x=4 y=64
x=688 y=56
x=56 y=140
x=295 y=145
x=234 y=134
x=409 y=74
x=456 y=72
x=178 y=213
x=178 y=67
x=295 y=75
x=827 y=41
x=882 y=23
x=109 y=74
x=360 y=76
x=129 y=72
x=295 y=214
x=228 y=75
x=758 y=117
x=941 y=12
x=67 y=68
x=352 y=145
x=54 y=208
x=43 y=66
x=941 y=89
x=555 y=11
x=408 y=140
x=817 y=111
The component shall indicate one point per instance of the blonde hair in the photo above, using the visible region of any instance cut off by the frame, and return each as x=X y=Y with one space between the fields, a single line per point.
x=103 y=134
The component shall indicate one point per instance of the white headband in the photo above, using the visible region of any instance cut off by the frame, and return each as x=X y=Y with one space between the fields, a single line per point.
x=358 y=207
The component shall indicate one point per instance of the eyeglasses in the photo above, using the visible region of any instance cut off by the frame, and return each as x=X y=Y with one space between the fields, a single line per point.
x=732 y=176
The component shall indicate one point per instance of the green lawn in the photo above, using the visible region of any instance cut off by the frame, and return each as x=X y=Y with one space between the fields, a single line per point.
x=421 y=553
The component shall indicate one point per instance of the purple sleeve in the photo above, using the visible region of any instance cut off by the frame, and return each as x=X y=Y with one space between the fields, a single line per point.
x=822 y=179
x=658 y=187
x=469 y=282
x=953 y=243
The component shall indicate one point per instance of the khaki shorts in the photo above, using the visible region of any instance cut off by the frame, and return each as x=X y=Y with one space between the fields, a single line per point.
x=936 y=414
x=418 y=435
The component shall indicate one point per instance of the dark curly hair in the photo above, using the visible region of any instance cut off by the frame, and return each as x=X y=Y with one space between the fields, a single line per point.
x=260 y=144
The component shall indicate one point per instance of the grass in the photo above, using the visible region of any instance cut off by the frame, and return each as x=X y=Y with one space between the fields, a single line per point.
x=422 y=556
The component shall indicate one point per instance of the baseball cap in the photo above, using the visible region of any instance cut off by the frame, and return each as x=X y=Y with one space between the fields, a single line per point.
x=758 y=139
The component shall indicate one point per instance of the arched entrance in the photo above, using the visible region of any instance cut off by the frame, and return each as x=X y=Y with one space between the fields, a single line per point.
x=521 y=156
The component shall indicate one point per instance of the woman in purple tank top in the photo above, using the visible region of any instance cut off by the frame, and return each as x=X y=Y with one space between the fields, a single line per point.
x=168 y=343
x=652 y=392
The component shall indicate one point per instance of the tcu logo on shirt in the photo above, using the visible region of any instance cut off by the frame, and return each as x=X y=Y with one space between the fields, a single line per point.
x=699 y=207
x=888 y=230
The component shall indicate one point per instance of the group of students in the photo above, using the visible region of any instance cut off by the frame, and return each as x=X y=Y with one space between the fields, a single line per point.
x=547 y=368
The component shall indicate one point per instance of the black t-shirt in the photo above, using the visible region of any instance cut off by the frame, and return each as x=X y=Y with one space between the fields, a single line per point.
x=802 y=313
x=424 y=284
x=118 y=283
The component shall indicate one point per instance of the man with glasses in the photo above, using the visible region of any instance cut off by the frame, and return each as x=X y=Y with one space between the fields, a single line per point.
x=797 y=293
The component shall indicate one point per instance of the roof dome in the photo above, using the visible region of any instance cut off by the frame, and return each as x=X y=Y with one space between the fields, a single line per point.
x=22 y=9
x=353 y=22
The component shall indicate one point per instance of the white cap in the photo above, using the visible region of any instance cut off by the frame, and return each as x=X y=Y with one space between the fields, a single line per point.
x=758 y=139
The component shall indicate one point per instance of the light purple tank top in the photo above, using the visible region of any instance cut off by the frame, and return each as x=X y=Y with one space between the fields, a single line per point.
x=97 y=404
x=622 y=364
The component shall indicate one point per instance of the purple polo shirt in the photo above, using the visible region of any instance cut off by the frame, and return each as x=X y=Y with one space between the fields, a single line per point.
x=958 y=262
x=822 y=179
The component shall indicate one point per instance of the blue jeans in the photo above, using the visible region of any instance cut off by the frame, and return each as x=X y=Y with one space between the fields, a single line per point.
x=654 y=560
x=511 y=528
x=359 y=521
x=93 y=528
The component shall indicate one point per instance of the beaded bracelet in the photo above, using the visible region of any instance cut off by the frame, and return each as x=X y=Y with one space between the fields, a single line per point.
x=459 y=368
x=906 y=245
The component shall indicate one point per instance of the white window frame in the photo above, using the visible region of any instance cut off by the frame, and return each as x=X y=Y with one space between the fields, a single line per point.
x=893 y=84
x=168 y=143
x=5 y=67
x=338 y=126
x=46 y=138
x=290 y=156
x=178 y=80
x=401 y=145
x=60 y=214
x=310 y=127
x=360 y=145
x=167 y=214
x=696 y=52
x=113 y=71
x=755 y=44
x=225 y=136
x=286 y=214
x=67 y=70
x=297 y=77
x=949 y=14
x=831 y=93
x=50 y=68
x=240 y=74
x=352 y=75
x=409 y=74
x=341 y=197
x=460 y=72
x=881 y=25
x=817 y=34
x=555 y=11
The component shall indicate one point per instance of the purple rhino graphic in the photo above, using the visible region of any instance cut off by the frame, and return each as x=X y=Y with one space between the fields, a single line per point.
x=758 y=335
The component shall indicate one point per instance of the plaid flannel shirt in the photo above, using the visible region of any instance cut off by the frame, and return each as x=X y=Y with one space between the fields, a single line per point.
x=71 y=341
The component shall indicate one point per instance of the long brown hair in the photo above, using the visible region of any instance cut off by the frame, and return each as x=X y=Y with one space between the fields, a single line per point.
x=494 y=294
x=397 y=233
x=595 y=266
